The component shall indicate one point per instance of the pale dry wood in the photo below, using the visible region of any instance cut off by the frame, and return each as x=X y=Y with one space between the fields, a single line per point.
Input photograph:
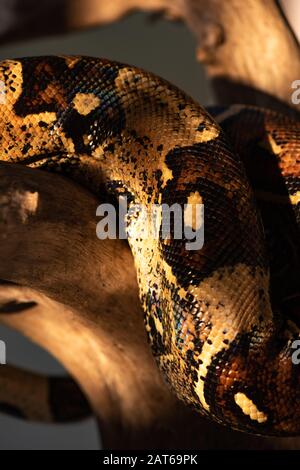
x=94 y=12
x=248 y=50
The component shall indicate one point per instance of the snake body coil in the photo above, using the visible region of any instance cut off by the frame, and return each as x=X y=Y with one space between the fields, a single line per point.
x=214 y=324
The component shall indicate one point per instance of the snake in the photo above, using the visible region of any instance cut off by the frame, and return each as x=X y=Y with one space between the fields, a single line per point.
x=221 y=319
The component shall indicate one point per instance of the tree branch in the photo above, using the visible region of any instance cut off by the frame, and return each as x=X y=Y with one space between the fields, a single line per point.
x=248 y=50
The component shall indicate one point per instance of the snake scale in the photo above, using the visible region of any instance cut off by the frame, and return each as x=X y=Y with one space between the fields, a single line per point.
x=220 y=326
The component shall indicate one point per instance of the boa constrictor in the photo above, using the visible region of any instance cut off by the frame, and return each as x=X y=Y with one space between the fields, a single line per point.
x=221 y=328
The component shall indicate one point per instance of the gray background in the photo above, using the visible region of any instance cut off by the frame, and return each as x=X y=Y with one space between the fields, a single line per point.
x=161 y=47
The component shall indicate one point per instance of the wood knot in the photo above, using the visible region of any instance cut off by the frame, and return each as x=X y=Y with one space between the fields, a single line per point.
x=212 y=37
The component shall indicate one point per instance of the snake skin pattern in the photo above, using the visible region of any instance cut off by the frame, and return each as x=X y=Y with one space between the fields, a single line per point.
x=221 y=335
